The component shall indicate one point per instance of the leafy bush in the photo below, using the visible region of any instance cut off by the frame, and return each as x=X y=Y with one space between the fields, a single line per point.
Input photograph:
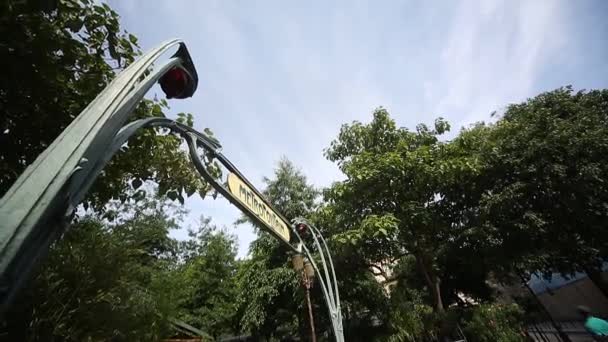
x=99 y=284
x=495 y=323
x=413 y=324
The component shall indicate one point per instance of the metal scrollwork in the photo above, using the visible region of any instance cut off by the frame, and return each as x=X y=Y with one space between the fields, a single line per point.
x=40 y=204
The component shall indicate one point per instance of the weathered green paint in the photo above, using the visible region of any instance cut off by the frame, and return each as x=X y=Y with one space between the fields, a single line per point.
x=41 y=201
x=39 y=205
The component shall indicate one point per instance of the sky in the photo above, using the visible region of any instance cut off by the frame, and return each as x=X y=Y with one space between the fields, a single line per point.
x=279 y=78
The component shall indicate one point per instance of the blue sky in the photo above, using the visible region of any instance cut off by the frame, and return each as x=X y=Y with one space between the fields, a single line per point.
x=280 y=77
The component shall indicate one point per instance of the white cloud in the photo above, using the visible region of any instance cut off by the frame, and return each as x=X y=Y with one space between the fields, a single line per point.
x=280 y=78
x=494 y=53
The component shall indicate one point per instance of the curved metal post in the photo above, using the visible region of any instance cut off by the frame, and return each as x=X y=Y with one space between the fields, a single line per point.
x=324 y=288
x=330 y=291
x=333 y=273
x=38 y=205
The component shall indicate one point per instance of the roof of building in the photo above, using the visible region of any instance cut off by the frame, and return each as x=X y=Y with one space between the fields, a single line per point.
x=540 y=284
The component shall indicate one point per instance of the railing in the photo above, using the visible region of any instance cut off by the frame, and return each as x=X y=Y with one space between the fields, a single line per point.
x=545 y=332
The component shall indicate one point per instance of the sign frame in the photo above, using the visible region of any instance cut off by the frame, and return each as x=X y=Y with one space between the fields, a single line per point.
x=258 y=208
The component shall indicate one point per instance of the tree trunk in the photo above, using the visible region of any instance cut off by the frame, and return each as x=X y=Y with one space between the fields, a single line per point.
x=595 y=275
x=432 y=281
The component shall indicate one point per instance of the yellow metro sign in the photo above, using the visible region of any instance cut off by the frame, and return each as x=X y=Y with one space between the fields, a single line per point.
x=257 y=206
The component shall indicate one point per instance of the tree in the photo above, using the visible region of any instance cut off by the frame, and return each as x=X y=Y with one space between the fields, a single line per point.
x=270 y=293
x=399 y=193
x=364 y=302
x=495 y=322
x=545 y=199
x=61 y=55
x=103 y=282
x=410 y=319
x=208 y=280
x=289 y=191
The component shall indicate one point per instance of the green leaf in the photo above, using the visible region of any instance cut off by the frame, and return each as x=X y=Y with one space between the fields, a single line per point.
x=75 y=25
x=136 y=183
x=133 y=39
x=172 y=195
x=190 y=191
